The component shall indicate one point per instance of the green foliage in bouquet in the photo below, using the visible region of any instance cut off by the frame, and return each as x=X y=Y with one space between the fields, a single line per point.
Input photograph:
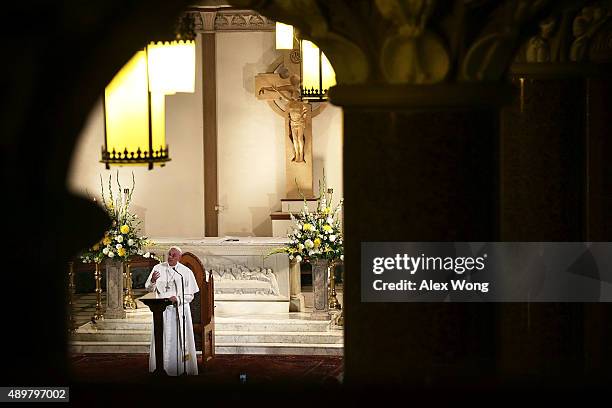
x=121 y=241
x=317 y=234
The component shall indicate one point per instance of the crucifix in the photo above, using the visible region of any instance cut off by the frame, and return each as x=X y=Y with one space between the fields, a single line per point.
x=280 y=87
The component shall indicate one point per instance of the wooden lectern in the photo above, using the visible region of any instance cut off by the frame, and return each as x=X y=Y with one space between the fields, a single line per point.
x=157 y=306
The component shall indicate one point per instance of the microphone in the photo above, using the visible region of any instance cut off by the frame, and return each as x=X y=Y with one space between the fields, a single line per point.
x=183 y=307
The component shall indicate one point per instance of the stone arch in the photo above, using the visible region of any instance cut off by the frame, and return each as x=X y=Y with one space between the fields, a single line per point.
x=60 y=64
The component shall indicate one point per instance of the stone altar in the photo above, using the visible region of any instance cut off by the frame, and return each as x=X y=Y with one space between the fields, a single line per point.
x=246 y=280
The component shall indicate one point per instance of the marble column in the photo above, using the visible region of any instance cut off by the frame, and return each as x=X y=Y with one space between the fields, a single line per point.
x=296 y=297
x=209 y=128
x=114 y=290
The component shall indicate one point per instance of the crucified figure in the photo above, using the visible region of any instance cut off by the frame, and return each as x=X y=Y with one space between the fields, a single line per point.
x=297 y=112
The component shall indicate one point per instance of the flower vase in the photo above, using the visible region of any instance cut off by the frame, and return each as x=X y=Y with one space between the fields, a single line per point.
x=319 y=288
x=114 y=289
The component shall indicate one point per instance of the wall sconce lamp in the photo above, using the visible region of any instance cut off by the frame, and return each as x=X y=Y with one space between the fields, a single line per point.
x=134 y=103
x=317 y=74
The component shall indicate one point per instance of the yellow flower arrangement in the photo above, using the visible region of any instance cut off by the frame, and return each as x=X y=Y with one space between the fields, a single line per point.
x=317 y=234
x=120 y=239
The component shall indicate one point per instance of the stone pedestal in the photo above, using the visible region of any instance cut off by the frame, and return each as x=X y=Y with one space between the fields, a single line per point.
x=114 y=290
x=319 y=290
x=296 y=299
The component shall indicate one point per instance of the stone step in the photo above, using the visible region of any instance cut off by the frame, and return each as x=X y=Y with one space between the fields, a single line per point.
x=281 y=349
x=139 y=314
x=121 y=324
x=293 y=338
x=90 y=333
x=269 y=327
x=291 y=333
x=90 y=347
x=123 y=347
x=291 y=322
x=136 y=314
x=221 y=324
x=226 y=337
x=112 y=336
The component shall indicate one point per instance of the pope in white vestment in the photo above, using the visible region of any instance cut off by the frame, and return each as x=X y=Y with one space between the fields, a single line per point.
x=167 y=285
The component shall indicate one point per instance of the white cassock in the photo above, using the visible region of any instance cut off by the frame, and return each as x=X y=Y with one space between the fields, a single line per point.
x=169 y=284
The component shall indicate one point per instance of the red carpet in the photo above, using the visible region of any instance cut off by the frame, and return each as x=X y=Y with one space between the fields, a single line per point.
x=103 y=379
x=223 y=369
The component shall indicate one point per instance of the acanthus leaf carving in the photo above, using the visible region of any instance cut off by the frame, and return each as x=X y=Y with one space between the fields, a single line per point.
x=490 y=55
x=572 y=32
x=586 y=26
x=413 y=54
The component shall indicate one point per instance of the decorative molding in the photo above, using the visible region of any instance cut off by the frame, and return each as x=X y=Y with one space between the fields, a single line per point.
x=207 y=21
x=601 y=45
x=231 y=21
x=242 y=20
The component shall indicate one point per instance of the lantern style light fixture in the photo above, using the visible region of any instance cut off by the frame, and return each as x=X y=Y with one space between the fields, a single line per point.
x=284 y=36
x=134 y=103
x=316 y=71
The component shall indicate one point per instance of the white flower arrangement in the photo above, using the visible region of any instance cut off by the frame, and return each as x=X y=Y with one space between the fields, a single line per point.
x=317 y=234
x=121 y=239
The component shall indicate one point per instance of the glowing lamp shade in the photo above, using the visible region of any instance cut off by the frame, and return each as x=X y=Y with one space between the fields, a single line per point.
x=134 y=118
x=284 y=36
x=171 y=67
x=317 y=73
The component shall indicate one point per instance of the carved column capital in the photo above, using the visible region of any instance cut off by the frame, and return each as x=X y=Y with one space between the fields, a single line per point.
x=573 y=39
x=207 y=20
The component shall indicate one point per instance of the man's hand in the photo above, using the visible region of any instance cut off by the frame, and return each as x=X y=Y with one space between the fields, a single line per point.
x=155 y=276
x=173 y=299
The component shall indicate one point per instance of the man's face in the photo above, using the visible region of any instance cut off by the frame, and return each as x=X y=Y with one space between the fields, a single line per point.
x=173 y=257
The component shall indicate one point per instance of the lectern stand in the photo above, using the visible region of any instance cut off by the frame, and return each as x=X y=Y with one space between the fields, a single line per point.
x=157 y=306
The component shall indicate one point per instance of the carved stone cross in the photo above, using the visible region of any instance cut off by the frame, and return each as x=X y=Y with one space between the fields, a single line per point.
x=280 y=87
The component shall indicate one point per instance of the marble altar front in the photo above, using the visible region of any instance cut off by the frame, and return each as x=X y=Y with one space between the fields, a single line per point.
x=246 y=280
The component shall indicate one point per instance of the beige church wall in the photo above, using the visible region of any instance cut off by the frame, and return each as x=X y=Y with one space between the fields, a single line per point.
x=251 y=138
x=170 y=199
x=327 y=150
x=251 y=143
